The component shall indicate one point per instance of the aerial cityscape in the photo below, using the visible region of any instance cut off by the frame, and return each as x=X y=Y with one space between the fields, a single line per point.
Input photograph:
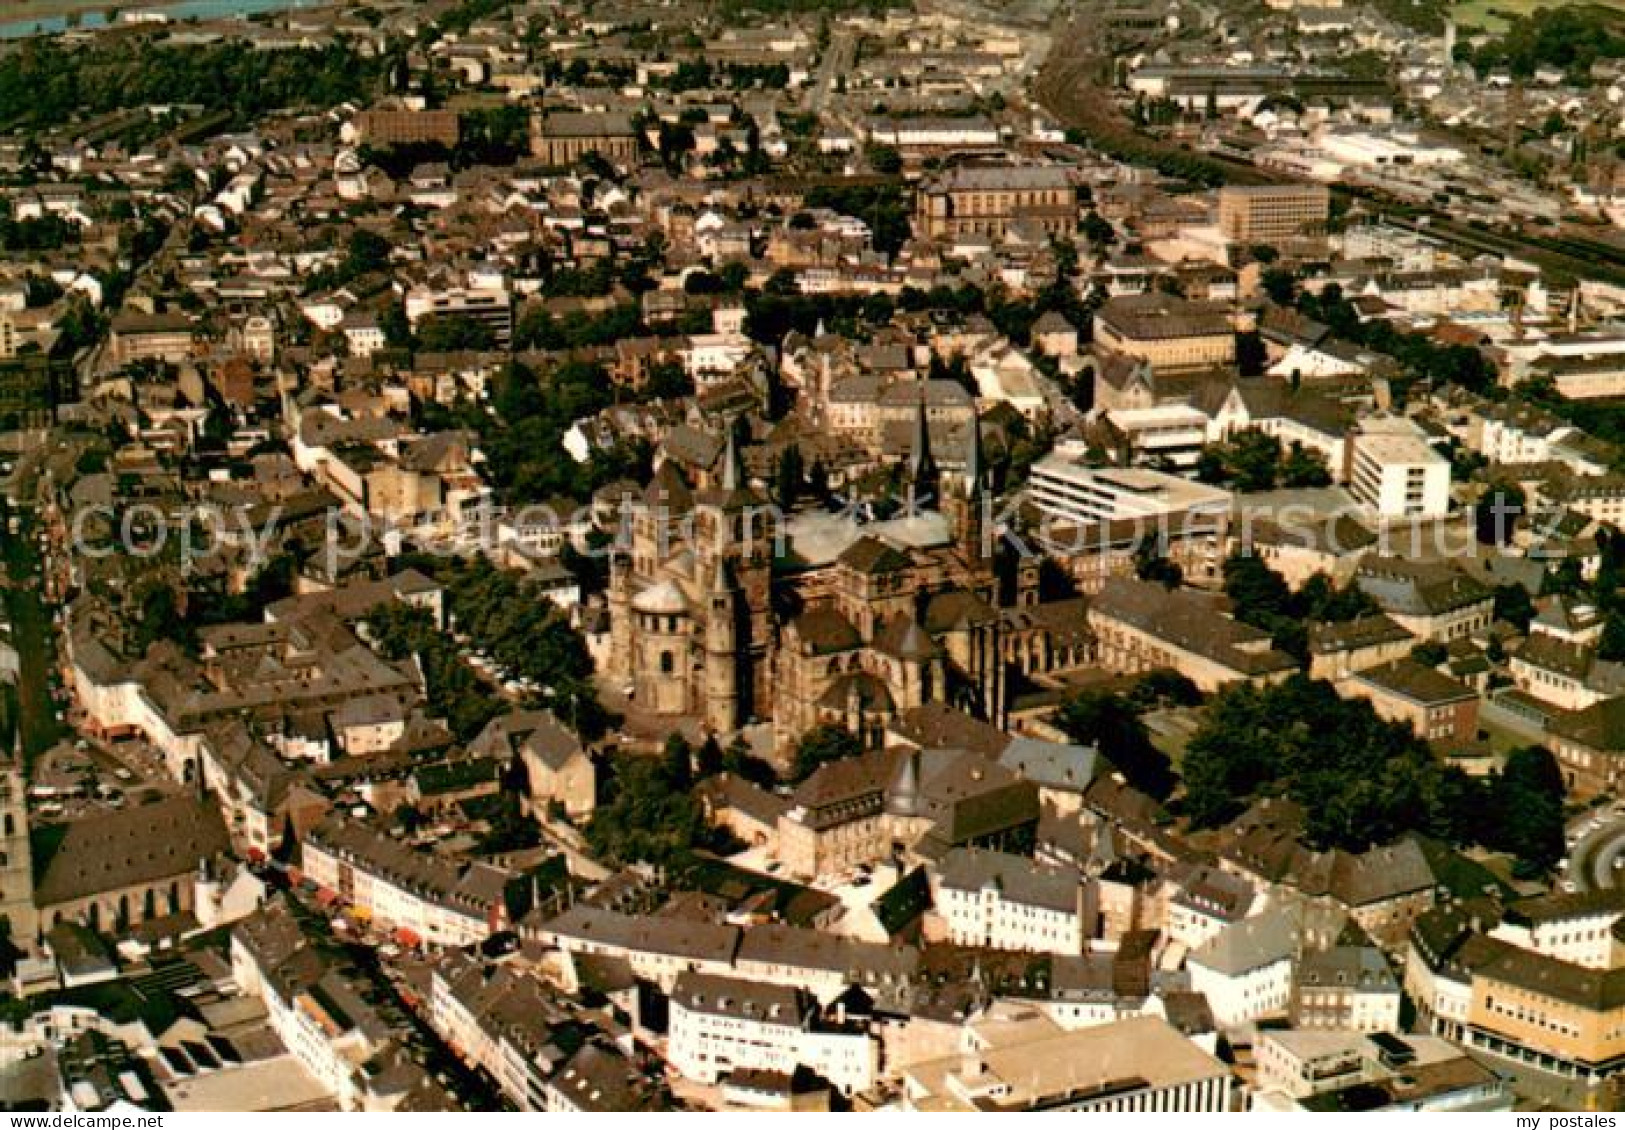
x=812 y=555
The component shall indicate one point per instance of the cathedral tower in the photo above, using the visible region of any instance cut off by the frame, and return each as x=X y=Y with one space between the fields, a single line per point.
x=722 y=653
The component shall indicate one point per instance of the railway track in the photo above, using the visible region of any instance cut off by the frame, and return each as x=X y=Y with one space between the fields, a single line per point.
x=1070 y=86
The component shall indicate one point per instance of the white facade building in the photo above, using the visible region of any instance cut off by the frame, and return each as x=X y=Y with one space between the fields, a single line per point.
x=1009 y=902
x=1396 y=473
x=723 y=1024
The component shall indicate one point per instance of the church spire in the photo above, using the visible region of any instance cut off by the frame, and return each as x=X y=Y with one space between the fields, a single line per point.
x=732 y=473
x=922 y=468
x=973 y=461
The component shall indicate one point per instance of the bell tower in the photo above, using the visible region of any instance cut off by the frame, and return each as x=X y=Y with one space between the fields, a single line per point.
x=18 y=916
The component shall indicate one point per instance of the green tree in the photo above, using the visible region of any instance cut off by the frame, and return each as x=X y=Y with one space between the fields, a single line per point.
x=1109 y=723
x=820 y=746
x=1526 y=807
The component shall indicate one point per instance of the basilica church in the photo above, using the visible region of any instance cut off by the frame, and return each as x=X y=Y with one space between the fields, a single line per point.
x=725 y=610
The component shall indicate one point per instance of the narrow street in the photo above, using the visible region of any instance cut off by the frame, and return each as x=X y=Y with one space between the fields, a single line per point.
x=34 y=637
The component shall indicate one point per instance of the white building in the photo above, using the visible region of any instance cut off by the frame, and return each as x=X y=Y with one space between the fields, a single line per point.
x=1009 y=902
x=317 y=1013
x=1061 y=486
x=425 y=899
x=723 y=1024
x=1571 y=927
x=1246 y=969
x=1396 y=473
x=1028 y=1063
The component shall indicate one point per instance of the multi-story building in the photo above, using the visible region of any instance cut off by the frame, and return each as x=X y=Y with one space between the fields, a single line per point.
x=425 y=899
x=1395 y=473
x=982 y=200
x=1589 y=746
x=1171 y=334
x=1338 y=650
x=1267 y=214
x=1346 y=1072
x=1205 y=901
x=722 y=1025
x=1245 y=970
x=152 y=337
x=1575 y=927
x=1435 y=706
x=1009 y=902
x=1031 y=1064
x=501 y=1021
x=1062 y=487
x=1141 y=626
x=319 y=1014
x=1348 y=988
x=1433 y=601
x=491 y=308
x=1547 y=1013
x=382 y=128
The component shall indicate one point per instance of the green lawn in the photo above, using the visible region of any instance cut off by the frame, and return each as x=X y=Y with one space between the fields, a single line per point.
x=1491 y=15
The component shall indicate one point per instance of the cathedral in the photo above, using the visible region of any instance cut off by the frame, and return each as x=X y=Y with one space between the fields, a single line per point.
x=725 y=610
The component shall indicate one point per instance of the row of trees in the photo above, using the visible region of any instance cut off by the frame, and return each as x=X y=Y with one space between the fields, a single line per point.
x=46 y=82
x=1261 y=597
x=519 y=629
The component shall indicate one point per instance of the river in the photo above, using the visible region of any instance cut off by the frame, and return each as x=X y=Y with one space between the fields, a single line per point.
x=93 y=15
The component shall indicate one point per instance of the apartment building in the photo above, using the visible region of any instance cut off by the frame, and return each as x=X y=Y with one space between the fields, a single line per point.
x=425 y=899
x=1346 y=988
x=1395 y=473
x=319 y=1014
x=502 y=1021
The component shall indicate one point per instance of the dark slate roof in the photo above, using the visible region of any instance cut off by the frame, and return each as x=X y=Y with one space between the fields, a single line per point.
x=871 y=555
x=165 y=840
x=1417 y=682
x=1600 y=726
x=826 y=631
